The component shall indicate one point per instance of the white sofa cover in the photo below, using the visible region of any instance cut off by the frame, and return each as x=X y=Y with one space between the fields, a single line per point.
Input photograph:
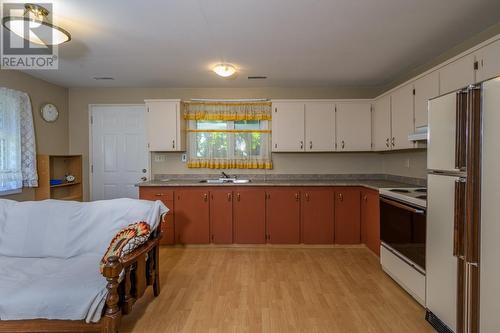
x=50 y=252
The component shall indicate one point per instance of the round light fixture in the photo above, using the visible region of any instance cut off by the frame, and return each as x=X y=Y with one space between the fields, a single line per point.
x=39 y=30
x=224 y=70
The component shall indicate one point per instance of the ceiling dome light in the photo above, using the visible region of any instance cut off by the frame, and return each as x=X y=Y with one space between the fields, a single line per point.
x=40 y=31
x=224 y=70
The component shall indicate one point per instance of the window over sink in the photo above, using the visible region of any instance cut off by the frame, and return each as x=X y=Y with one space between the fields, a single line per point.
x=229 y=139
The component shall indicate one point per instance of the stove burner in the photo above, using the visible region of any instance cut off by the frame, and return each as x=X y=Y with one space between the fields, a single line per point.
x=398 y=190
x=421 y=190
x=421 y=197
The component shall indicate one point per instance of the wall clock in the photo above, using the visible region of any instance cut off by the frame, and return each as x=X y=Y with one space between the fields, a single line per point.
x=49 y=112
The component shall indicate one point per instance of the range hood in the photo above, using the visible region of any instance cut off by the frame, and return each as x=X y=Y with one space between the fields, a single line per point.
x=420 y=134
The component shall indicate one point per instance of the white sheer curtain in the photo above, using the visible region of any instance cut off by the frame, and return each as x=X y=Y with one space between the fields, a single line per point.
x=17 y=141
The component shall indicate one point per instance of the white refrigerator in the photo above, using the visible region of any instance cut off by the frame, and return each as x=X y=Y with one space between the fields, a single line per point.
x=462 y=268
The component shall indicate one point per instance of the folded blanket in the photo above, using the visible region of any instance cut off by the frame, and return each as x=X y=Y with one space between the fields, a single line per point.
x=50 y=252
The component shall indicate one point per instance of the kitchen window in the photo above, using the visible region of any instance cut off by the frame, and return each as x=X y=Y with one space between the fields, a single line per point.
x=225 y=137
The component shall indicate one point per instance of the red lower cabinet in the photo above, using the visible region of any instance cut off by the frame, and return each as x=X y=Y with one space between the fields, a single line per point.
x=347 y=215
x=283 y=216
x=317 y=216
x=221 y=216
x=192 y=217
x=249 y=216
x=166 y=195
x=370 y=220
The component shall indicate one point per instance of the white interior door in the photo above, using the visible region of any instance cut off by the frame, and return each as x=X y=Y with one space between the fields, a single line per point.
x=119 y=151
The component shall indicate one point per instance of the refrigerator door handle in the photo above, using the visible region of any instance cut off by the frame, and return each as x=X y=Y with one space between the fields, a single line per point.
x=461 y=130
x=459 y=225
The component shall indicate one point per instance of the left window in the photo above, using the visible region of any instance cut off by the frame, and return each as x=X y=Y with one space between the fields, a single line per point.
x=10 y=143
x=17 y=142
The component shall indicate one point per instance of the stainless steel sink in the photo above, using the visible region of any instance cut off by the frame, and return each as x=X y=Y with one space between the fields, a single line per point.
x=225 y=180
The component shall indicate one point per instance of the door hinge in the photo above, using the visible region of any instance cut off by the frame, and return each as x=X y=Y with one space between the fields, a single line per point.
x=476 y=65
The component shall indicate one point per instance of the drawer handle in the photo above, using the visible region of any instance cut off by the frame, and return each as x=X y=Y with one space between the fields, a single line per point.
x=159 y=194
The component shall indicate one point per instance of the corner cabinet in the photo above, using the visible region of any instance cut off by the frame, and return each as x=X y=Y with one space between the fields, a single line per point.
x=488 y=59
x=382 y=124
x=354 y=126
x=165 y=125
x=457 y=74
x=402 y=121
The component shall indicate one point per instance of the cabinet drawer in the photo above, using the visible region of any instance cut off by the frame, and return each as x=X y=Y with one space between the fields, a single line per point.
x=156 y=193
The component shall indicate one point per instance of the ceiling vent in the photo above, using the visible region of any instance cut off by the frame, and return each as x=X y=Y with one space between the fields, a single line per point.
x=257 y=77
x=104 y=78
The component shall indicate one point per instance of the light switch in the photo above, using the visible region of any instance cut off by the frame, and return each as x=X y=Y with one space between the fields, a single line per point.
x=160 y=157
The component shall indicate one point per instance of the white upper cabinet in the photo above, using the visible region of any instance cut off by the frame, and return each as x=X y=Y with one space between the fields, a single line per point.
x=402 y=117
x=320 y=126
x=288 y=127
x=382 y=124
x=488 y=62
x=165 y=125
x=457 y=74
x=354 y=126
x=426 y=87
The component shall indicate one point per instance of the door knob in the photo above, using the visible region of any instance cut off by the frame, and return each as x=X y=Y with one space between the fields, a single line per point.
x=144 y=170
x=144 y=179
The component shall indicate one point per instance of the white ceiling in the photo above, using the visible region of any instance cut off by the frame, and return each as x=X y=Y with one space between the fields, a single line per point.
x=293 y=42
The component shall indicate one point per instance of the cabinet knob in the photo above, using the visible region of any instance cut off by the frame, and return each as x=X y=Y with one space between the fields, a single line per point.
x=341 y=197
x=301 y=144
x=310 y=145
x=365 y=198
x=297 y=197
x=229 y=197
x=387 y=143
x=144 y=179
x=393 y=141
x=238 y=197
x=307 y=196
x=343 y=144
x=205 y=197
x=173 y=143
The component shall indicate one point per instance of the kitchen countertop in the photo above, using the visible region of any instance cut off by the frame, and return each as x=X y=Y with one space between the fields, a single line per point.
x=372 y=184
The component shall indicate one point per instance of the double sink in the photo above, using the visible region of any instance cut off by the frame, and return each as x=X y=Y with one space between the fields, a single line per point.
x=225 y=181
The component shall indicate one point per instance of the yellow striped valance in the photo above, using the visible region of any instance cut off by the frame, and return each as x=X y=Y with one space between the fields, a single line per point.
x=230 y=164
x=227 y=110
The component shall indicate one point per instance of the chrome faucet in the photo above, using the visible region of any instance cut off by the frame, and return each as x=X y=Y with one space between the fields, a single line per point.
x=224 y=175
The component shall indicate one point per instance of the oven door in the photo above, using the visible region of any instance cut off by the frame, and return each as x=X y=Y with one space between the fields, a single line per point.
x=402 y=228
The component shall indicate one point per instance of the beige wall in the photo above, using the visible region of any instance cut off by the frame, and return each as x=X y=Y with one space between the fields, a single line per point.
x=80 y=98
x=51 y=138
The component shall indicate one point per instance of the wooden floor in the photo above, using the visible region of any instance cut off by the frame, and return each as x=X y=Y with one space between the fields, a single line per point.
x=275 y=290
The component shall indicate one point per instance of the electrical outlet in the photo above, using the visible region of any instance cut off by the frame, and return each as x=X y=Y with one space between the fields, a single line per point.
x=160 y=157
x=407 y=163
x=184 y=158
